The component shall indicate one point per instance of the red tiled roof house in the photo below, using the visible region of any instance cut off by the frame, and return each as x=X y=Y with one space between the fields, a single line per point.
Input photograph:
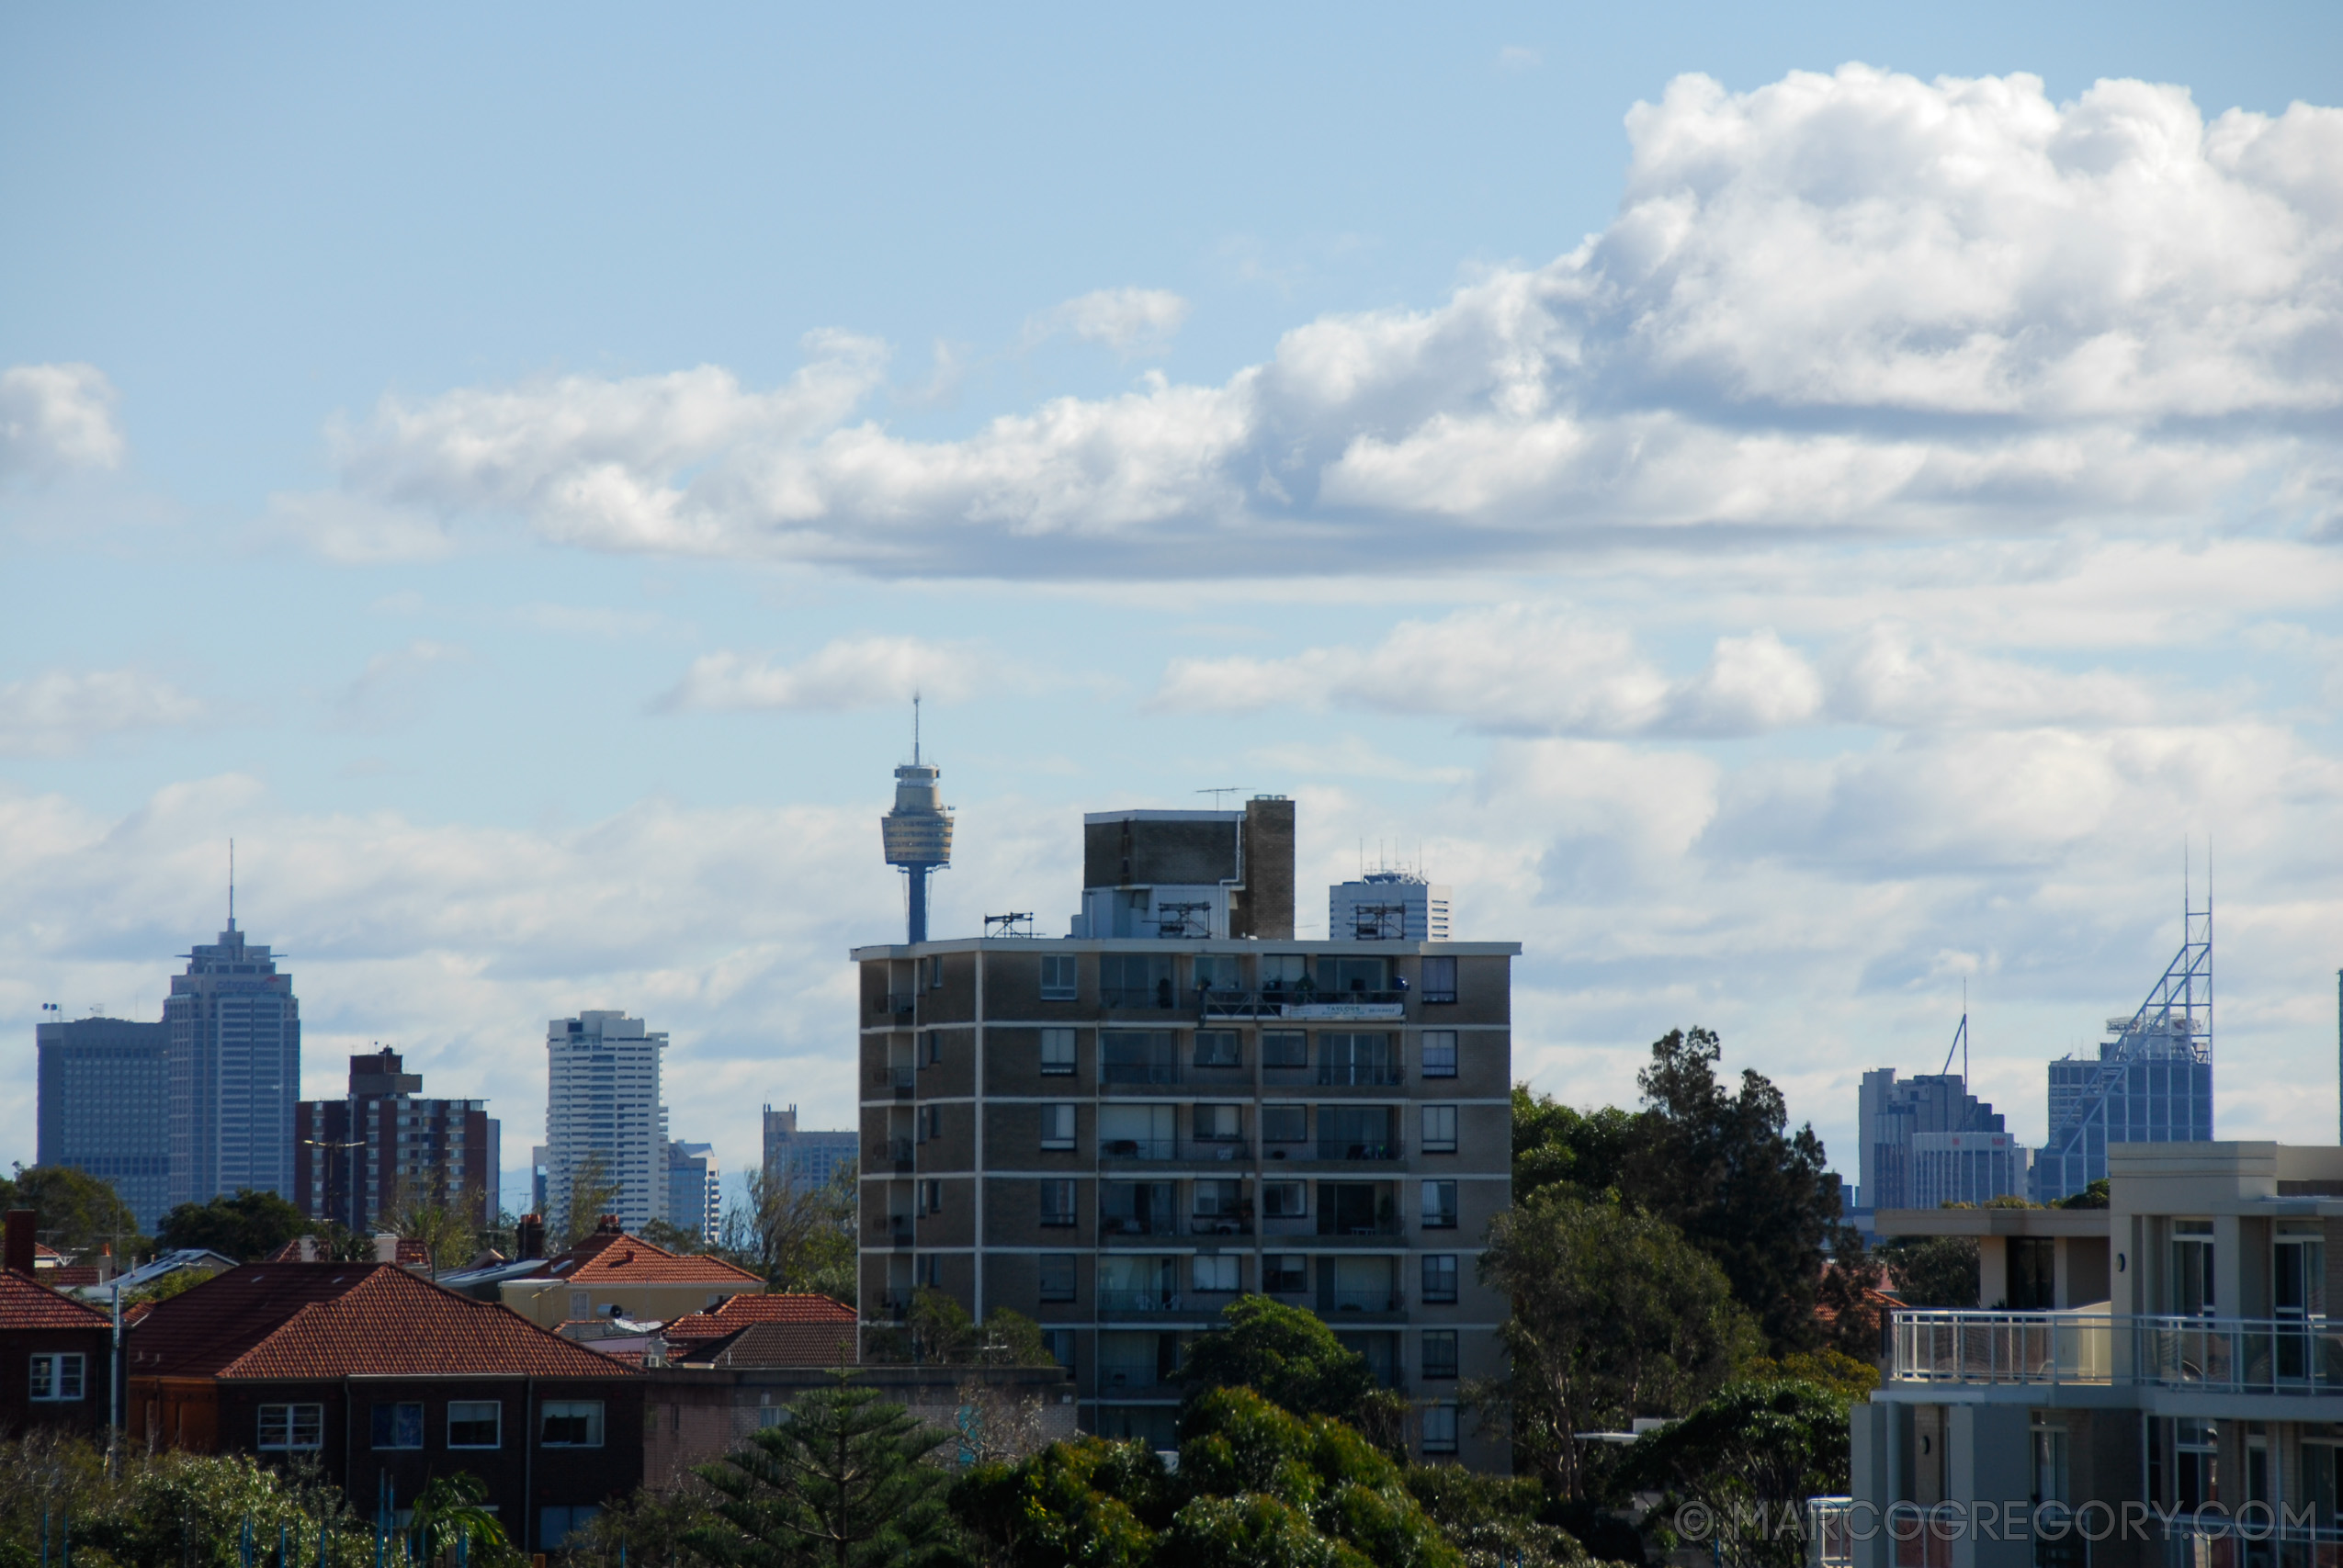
x=55 y=1353
x=377 y=1374
x=612 y=1272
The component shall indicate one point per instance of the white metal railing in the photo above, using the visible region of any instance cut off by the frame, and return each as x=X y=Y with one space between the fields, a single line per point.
x=2221 y=1355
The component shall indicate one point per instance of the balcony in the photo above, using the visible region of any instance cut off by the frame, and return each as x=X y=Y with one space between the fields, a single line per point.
x=1158 y=997
x=1112 y=1227
x=1219 y=1225
x=1129 y=1377
x=1138 y=1149
x=897 y=1081
x=1360 y=1303
x=2283 y=1356
x=1301 y=1002
x=899 y=1151
x=1137 y=1303
x=898 y=1230
x=1383 y=1233
x=899 y=1002
x=1357 y=1149
x=1361 y=1075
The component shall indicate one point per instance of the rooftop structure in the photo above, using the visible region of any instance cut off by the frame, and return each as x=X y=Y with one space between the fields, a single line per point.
x=1388 y=906
x=1185 y=876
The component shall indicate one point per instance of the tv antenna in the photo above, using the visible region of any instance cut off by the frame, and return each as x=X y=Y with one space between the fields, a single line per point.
x=1216 y=793
x=1960 y=1042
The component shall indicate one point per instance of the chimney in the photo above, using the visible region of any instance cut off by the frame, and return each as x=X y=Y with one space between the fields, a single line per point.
x=386 y=1248
x=17 y=1254
x=609 y=1225
x=528 y=1238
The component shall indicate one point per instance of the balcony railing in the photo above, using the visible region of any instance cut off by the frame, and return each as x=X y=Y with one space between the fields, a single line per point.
x=1361 y=1302
x=1139 y=1070
x=899 y=1001
x=1187 y=1151
x=1362 y=1075
x=1138 y=1302
x=2291 y=1356
x=898 y=1230
x=896 y=1078
x=1127 y=1377
x=1219 y=1225
x=1112 y=1225
x=1160 y=996
x=1329 y=1225
x=1358 y=1148
x=1138 y=1149
x=899 y=1150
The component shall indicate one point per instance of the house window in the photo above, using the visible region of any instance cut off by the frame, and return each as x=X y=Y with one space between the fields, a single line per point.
x=1057 y=1126
x=1285 y=1124
x=1060 y=978
x=1440 y=979
x=398 y=1426
x=292 y=1427
x=1440 y=1277
x=1285 y=1273
x=1217 y=1273
x=1439 y=1429
x=932 y=1197
x=1219 y=1048
x=1440 y=1129
x=1439 y=1206
x=1058 y=1275
x=1058 y=1049
x=475 y=1424
x=1058 y=1202
x=59 y=1377
x=1439 y=1052
x=581 y=1306
x=1440 y=1353
x=1284 y=1048
x=571 y=1424
x=1285 y=1199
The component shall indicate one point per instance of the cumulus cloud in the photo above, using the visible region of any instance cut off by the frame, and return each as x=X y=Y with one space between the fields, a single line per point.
x=1530 y=669
x=54 y=418
x=61 y=711
x=1125 y=320
x=849 y=672
x=1848 y=304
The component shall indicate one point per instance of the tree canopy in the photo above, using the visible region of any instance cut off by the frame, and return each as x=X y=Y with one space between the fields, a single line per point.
x=1288 y=1356
x=248 y=1226
x=77 y=1211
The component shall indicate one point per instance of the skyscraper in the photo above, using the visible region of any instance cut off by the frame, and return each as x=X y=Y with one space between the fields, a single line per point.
x=106 y=1107
x=359 y=1160
x=1894 y=1115
x=602 y=1113
x=235 y=1062
x=1388 y=906
x=695 y=1189
x=805 y=1157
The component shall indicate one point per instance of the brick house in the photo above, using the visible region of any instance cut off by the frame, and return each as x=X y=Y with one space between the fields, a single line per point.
x=828 y=1330
x=56 y=1355
x=386 y=1378
x=611 y=1274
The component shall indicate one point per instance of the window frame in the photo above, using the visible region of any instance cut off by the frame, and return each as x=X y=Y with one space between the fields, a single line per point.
x=1050 y=1065
x=391 y=1408
x=1046 y=1277
x=291 y=1423
x=590 y=1411
x=1273 y=1267
x=1436 y=1053
x=1066 y=989
x=1441 y=1264
x=496 y=1420
x=47 y=1368
x=1055 y=1114
x=1057 y=1218
x=1433 y=991
x=1445 y=1372
x=1431 y=1143
x=930 y=1196
x=1302 y=1113
x=1300 y=1192
x=1444 y=1216
x=1439 y=1428
x=1223 y=1264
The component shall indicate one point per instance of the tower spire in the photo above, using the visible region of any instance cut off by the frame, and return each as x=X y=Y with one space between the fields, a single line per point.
x=232 y=884
x=915 y=729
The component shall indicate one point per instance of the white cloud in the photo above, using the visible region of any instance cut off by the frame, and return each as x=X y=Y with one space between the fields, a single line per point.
x=1125 y=320
x=1520 y=57
x=850 y=672
x=389 y=691
x=1857 y=304
x=61 y=711
x=54 y=418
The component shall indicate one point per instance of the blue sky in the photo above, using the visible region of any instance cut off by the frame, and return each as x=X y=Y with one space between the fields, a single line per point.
x=1787 y=512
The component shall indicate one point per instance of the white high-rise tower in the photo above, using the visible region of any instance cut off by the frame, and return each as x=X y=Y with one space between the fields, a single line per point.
x=602 y=1105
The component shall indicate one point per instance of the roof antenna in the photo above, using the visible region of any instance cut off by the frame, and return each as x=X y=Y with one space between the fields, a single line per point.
x=915 y=729
x=232 y=884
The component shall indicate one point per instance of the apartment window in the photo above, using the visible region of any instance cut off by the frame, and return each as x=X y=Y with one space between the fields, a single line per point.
x=1058 y=1275
x=292 y=1427
x=1218 y=1123
x=1346 y=976
x=1285 y=1124
x=1285 y=1199
x=1282 y=971
x=1135 y=980
x=1058 y=1202
x=571 y=1424
x=2192 y=1294
x=1440 y=1129
x=1285 y=1273
x=1217 y=1273
x=1060 y=978
x=1439 y=1429
x=1217 y=1048
x=59 y=1377
x=475 y=1424
x=1058 y=1049
x=1059 y=1342
x=930 y=1196
x=1439 y=1206
x=931 y=1123
x=554 y=1525
x=935 y=972
x=1284 y=1048
x=1218 y=972
x=1057 y=1126
x=1439 y=979
x=927 y=1269
x=1439 y=1052
x=935 y=1047
x=1439 y=1276
x=1440 y=1353
x=398 y=1426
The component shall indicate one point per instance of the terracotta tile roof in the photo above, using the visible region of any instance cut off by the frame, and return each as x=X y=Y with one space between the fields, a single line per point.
x=777 y=1345
x=328 y=1320
x=27 y=1304
x=614 y=1257
x=738 y=1311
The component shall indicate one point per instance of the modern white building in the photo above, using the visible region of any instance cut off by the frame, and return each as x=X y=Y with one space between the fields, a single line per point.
x=602 y=1102
x=695 y=1189
x=1967 y=1168
x=1388 y=906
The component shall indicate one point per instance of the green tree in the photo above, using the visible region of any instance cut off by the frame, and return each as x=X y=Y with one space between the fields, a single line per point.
x=797 y=1238
x=840 y=1482
x=592 y=1193
x=248 y=1226
x=1089 y=1501
x=1585 y=1151
x=448 y=1509
x=1767 y=1442
x=2094 y=1196
x=1288 y=1356
x=1615 y=1315
x=1932 y=1270
x=78 y=1211
x=449 y=1231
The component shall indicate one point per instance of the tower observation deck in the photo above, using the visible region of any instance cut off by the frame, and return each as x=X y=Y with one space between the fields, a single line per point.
x=917 y=834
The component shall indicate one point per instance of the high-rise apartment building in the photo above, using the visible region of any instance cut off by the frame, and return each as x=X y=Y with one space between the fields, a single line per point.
x=358 y=1161
x=235 y=1062
x=1119 y=1133
x=1894 y=1113
x=105 y=1086
x=1388 y=906
x=695 y=1189
x=807 y=1157
x=604 y=1119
